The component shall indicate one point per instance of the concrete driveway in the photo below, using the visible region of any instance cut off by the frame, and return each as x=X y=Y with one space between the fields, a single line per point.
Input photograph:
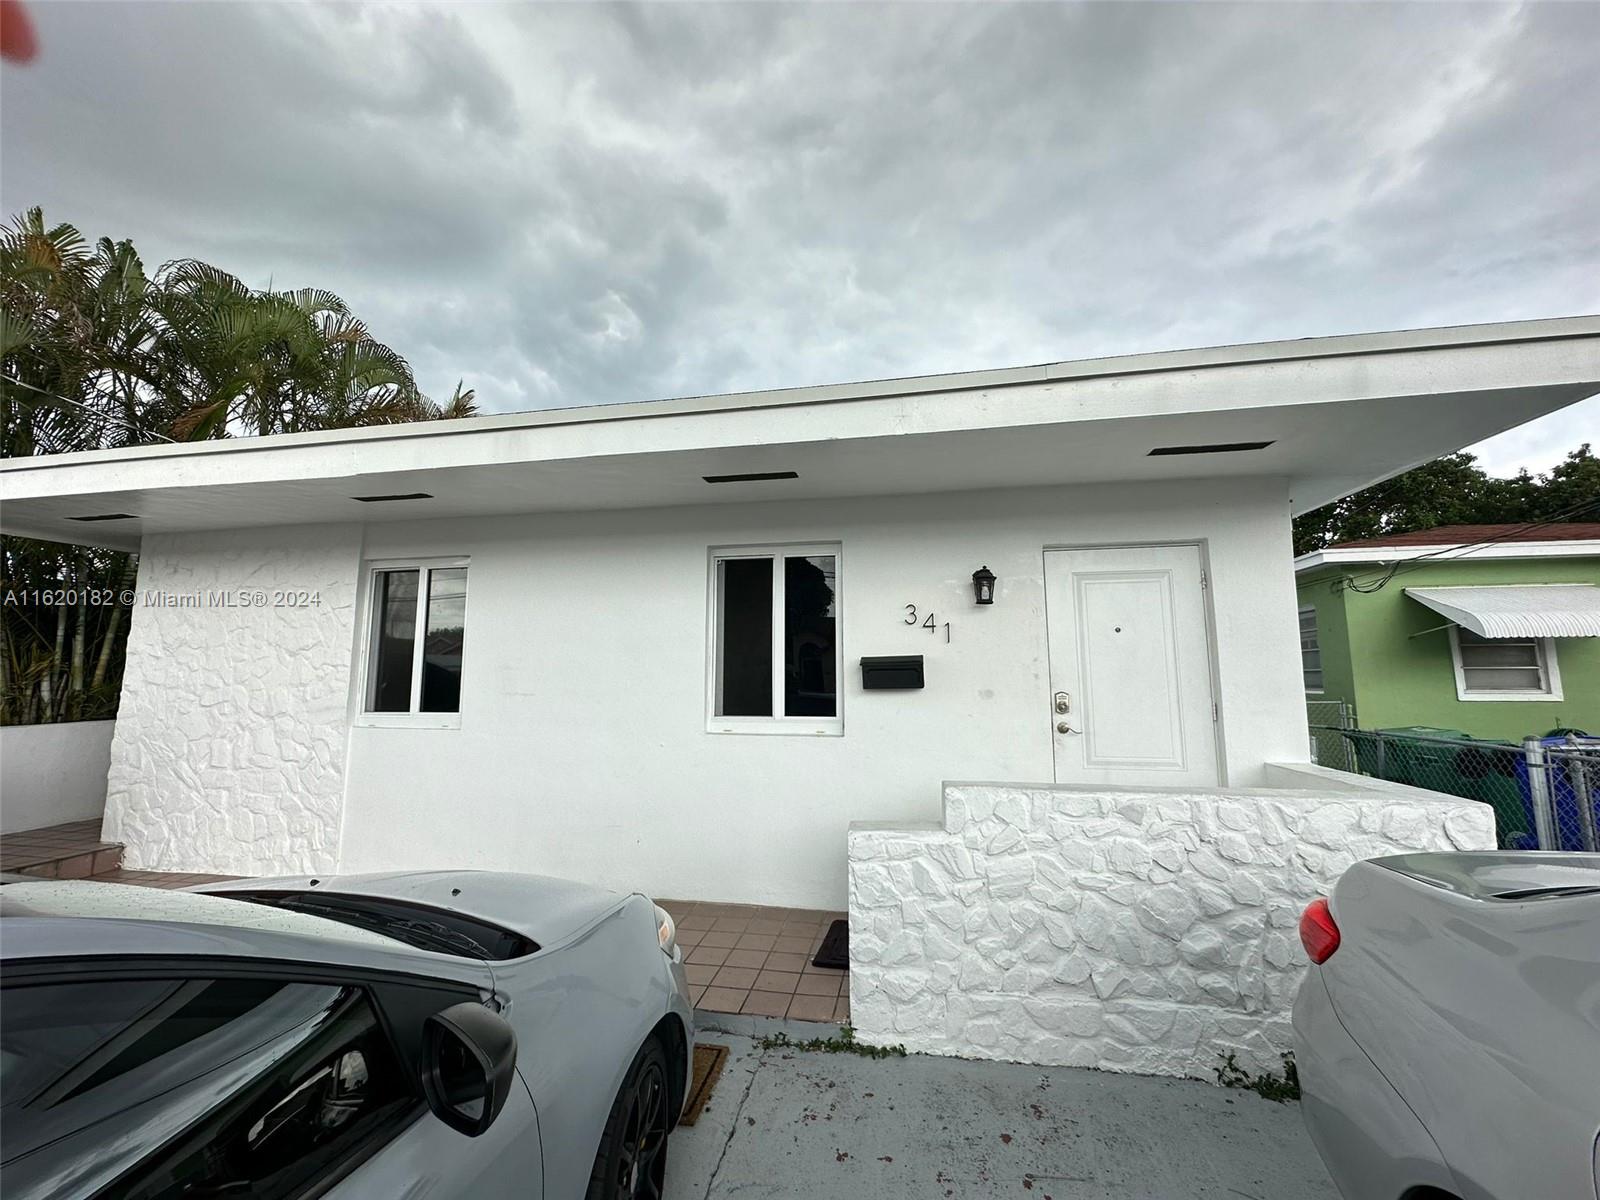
x=819 y=1125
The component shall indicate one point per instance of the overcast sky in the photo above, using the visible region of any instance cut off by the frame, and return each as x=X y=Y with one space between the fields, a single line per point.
x=577 y=204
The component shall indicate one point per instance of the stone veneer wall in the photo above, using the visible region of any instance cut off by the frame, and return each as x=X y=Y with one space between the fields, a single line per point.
x=1127 y=929
x=229 y=754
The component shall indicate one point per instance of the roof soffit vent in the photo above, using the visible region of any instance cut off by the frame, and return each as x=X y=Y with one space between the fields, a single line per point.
x=752 y=477
x=1208 y=448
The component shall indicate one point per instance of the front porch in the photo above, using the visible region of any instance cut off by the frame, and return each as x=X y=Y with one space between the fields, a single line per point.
x=754 y=959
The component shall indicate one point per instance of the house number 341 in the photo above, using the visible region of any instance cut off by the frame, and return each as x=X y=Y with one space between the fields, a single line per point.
x=928 y=622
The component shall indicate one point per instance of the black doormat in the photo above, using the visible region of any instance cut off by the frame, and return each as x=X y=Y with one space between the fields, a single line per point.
x=835 y=951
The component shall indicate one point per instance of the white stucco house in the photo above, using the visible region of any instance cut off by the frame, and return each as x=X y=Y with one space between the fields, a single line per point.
x=748 y=648
x=648 y=629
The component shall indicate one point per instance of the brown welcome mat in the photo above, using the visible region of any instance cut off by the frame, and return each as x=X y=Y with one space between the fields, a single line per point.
x=835 y=949
x=708 y=1062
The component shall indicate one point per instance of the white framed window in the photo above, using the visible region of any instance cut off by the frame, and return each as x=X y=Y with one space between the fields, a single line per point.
x=1504 y=668
x=1310 y=651
x=417 y=623
x=774 y=640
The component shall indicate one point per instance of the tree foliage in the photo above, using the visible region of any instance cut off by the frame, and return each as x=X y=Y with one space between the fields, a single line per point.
x=1454 y=490
x=95 y=353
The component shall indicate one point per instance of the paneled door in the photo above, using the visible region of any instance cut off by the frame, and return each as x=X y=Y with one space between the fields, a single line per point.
x=1130 y=667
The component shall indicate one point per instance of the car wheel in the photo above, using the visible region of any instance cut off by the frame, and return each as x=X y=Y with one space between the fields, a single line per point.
x=632 y=1162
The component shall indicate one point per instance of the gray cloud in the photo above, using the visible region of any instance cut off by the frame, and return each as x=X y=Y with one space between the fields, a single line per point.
x=573 y=204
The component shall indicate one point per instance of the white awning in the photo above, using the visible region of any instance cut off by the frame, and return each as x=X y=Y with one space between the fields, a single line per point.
x=1554 y=610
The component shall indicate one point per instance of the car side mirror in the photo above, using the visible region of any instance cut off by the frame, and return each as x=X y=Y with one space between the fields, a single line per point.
x=469 y=1061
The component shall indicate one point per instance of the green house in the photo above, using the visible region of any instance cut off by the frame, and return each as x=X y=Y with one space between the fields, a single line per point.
x=1489 y=629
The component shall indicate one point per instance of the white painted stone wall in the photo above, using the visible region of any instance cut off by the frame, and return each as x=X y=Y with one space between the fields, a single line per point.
x=230 y=745
x=51 y=774
x=1126 y=929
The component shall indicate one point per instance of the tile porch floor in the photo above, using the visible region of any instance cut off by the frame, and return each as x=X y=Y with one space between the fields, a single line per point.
x=75 y=851
x=70 y=851
x=744 y=958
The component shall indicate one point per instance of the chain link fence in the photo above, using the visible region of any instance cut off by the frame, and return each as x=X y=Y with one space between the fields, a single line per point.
x=1545 y=792
x=1328 y=719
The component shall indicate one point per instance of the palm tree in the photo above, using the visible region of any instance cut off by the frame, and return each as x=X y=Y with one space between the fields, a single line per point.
x=94 y=353
x=75 y=329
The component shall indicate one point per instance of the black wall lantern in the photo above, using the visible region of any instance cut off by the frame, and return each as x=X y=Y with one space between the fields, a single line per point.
x=983 y=585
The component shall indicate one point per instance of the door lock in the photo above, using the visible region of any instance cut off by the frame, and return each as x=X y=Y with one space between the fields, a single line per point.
x=1063 y=702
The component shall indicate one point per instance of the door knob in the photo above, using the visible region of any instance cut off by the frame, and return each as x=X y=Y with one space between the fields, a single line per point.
x=1063 y=727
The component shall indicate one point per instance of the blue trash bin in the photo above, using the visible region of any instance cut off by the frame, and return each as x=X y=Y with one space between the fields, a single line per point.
x=1569 y=823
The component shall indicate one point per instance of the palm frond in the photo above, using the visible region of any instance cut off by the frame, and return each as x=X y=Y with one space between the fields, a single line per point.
x=316 y=301
x=462 y=403
x=16 y=332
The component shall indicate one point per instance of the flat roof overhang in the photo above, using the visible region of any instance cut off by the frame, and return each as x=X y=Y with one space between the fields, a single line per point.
x=1337 y=414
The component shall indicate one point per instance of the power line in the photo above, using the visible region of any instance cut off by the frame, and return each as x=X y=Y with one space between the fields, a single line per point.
x=1401 y=566
x=104 y=416
x=1392 y=487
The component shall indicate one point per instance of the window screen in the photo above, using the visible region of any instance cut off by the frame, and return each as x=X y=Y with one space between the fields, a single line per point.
x=394 y=647
x=409 y=674
x=776 y=634
x=745 y=636
x=1501 y=664
x=1310 y=650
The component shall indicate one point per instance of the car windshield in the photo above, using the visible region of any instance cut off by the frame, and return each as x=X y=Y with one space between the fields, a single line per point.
x=426 y=928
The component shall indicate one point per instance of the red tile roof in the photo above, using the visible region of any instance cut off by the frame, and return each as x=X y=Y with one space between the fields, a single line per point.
x=1458 y=535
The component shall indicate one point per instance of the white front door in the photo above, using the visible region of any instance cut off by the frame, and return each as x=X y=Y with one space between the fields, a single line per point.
x=1130 y=667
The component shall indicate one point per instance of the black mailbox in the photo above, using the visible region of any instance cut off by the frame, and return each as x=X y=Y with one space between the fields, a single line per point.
x=891 y=672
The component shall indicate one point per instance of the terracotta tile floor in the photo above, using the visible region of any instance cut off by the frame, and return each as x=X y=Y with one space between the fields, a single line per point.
x=75 y=851
x=742 y=958
x=69 y=851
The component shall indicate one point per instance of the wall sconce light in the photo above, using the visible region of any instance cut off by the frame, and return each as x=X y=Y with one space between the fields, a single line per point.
x=983 y=585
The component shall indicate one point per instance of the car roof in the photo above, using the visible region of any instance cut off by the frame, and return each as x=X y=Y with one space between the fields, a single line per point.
x=1499 y=874
x=62 y=920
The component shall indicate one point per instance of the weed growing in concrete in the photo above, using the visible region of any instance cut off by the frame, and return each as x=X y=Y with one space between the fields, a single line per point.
x=845 y=1043
x=1269 y=1084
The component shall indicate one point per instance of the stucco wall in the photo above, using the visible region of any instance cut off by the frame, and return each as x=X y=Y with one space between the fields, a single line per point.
x=1333 y=637
x=1131 y=930
x=1400 y=673
x=582 y=748
x=50 y=774
x=229 y=753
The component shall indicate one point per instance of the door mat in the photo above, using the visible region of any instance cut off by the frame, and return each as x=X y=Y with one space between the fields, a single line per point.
x=835 y=951
x=708 y=1062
